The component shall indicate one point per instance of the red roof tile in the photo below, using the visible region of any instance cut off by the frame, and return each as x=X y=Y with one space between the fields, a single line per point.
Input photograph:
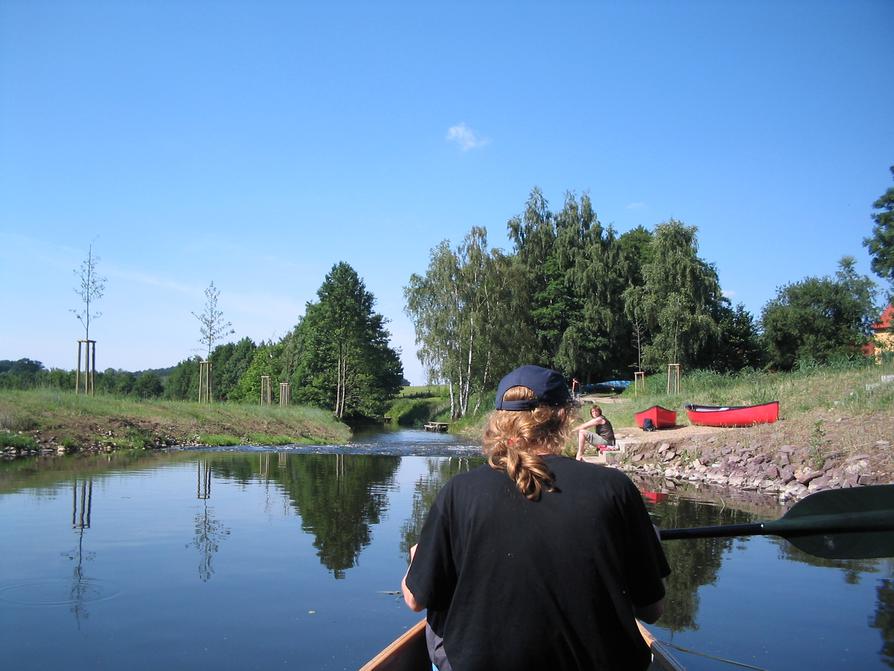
x=885 y=321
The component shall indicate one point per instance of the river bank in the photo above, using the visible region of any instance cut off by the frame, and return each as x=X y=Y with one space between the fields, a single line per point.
x=47 y=422
x=802 y=453
x=789 y=459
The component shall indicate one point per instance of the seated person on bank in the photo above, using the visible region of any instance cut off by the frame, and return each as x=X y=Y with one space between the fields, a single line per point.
x=602 y=436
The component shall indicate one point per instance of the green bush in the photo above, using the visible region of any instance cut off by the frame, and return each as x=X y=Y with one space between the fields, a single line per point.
x=9 y=439
x=137 y=439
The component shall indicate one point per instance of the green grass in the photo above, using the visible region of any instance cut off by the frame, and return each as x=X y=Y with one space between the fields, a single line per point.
x=417 y=405
x=425 y=391
x=137 y=424
x=851 y=387
x=271 y=439
x=10 y=439
x=854 y=387
x=219 y=440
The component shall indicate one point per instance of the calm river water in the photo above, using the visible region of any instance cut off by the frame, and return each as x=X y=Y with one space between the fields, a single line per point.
x=291 y=559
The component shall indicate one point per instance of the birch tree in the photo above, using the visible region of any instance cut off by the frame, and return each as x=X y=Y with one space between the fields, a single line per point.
x=462 y=309
x=678 y=298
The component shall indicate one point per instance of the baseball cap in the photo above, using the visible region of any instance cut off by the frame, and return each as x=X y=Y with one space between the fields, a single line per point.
x=549 y=387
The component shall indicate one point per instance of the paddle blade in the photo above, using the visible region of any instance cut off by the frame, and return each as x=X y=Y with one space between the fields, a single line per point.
x=867 y=545
x=855 y=523
x=871 y=498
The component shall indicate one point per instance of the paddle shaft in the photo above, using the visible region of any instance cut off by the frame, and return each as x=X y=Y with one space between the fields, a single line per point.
x=817 y=524
x=835 y=524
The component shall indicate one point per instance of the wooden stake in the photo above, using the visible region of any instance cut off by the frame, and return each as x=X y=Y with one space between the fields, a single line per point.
x=673 y=378
x=266 y=393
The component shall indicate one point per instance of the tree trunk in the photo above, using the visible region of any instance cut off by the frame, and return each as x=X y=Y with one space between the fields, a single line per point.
x=483 y=382
x=452 y=403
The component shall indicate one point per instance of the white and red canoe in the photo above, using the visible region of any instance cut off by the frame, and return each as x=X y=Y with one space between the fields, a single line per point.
x=662 y=418
x=740 y=415
x=408 y=653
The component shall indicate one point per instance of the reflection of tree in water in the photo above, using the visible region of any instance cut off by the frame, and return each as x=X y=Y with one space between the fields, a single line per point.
x=883 y=619
x=339 y=498
x=81 y=510
x=209 y=532
x=850 y=568
x=440 y=470
x=693 y=562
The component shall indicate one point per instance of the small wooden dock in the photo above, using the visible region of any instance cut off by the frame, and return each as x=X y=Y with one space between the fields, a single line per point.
x=437 y=426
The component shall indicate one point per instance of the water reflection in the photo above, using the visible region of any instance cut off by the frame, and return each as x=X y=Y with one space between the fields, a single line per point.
x=694 y=562
x=209 y=532
x=426 y=490
x=338 y=498
x=884 y=618
x=302 y=530
x=81 y=512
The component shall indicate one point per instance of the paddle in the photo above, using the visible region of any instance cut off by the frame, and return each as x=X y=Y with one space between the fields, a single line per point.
x=854 y=523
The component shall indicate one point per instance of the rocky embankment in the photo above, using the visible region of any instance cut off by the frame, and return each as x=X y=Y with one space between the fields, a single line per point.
x=786 y=460
x=49 y=444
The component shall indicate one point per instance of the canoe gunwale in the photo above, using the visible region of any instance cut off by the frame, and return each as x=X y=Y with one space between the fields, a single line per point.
x=401 y=653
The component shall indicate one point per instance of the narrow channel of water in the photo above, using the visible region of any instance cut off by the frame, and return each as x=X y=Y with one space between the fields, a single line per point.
x=291 y=558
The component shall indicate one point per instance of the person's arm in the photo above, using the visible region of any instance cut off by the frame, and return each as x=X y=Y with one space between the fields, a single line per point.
x=586 y=425
x=409 y=599
x=650 y=614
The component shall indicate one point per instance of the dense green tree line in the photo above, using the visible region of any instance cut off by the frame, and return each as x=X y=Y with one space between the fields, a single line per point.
x=574 y=295
x=28 y=374
x=571 y=294
x=337 y=357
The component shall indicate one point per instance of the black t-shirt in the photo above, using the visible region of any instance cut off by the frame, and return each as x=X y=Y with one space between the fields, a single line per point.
x=516 y=584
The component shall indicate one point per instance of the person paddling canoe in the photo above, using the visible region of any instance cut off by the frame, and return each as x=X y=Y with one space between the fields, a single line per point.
x=535 y=560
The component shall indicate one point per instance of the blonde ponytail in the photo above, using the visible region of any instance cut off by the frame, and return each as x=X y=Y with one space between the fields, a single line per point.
x=515 y=440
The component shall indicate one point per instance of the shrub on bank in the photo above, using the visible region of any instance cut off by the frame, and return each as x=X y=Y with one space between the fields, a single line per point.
x=10 y=439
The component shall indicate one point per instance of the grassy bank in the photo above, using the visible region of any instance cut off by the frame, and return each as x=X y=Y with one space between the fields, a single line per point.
x=39 y=418
x=852 y=389
x=810 y=399
x=417 y=405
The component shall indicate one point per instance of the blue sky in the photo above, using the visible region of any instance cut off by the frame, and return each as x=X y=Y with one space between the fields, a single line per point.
x=256 y=144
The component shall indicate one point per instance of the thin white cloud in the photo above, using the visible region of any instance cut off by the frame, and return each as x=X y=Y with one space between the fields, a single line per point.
x=636 y=206
x=465 y=137
x=729 y=293
x=146 y=279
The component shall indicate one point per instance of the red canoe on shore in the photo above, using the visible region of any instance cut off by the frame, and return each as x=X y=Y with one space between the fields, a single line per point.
x=662 y=418
x=742 y=415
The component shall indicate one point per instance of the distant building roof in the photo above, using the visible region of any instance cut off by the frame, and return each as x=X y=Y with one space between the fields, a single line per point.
x=885 y=322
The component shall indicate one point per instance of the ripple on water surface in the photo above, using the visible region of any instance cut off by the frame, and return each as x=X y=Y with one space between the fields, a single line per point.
x=57 y=592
